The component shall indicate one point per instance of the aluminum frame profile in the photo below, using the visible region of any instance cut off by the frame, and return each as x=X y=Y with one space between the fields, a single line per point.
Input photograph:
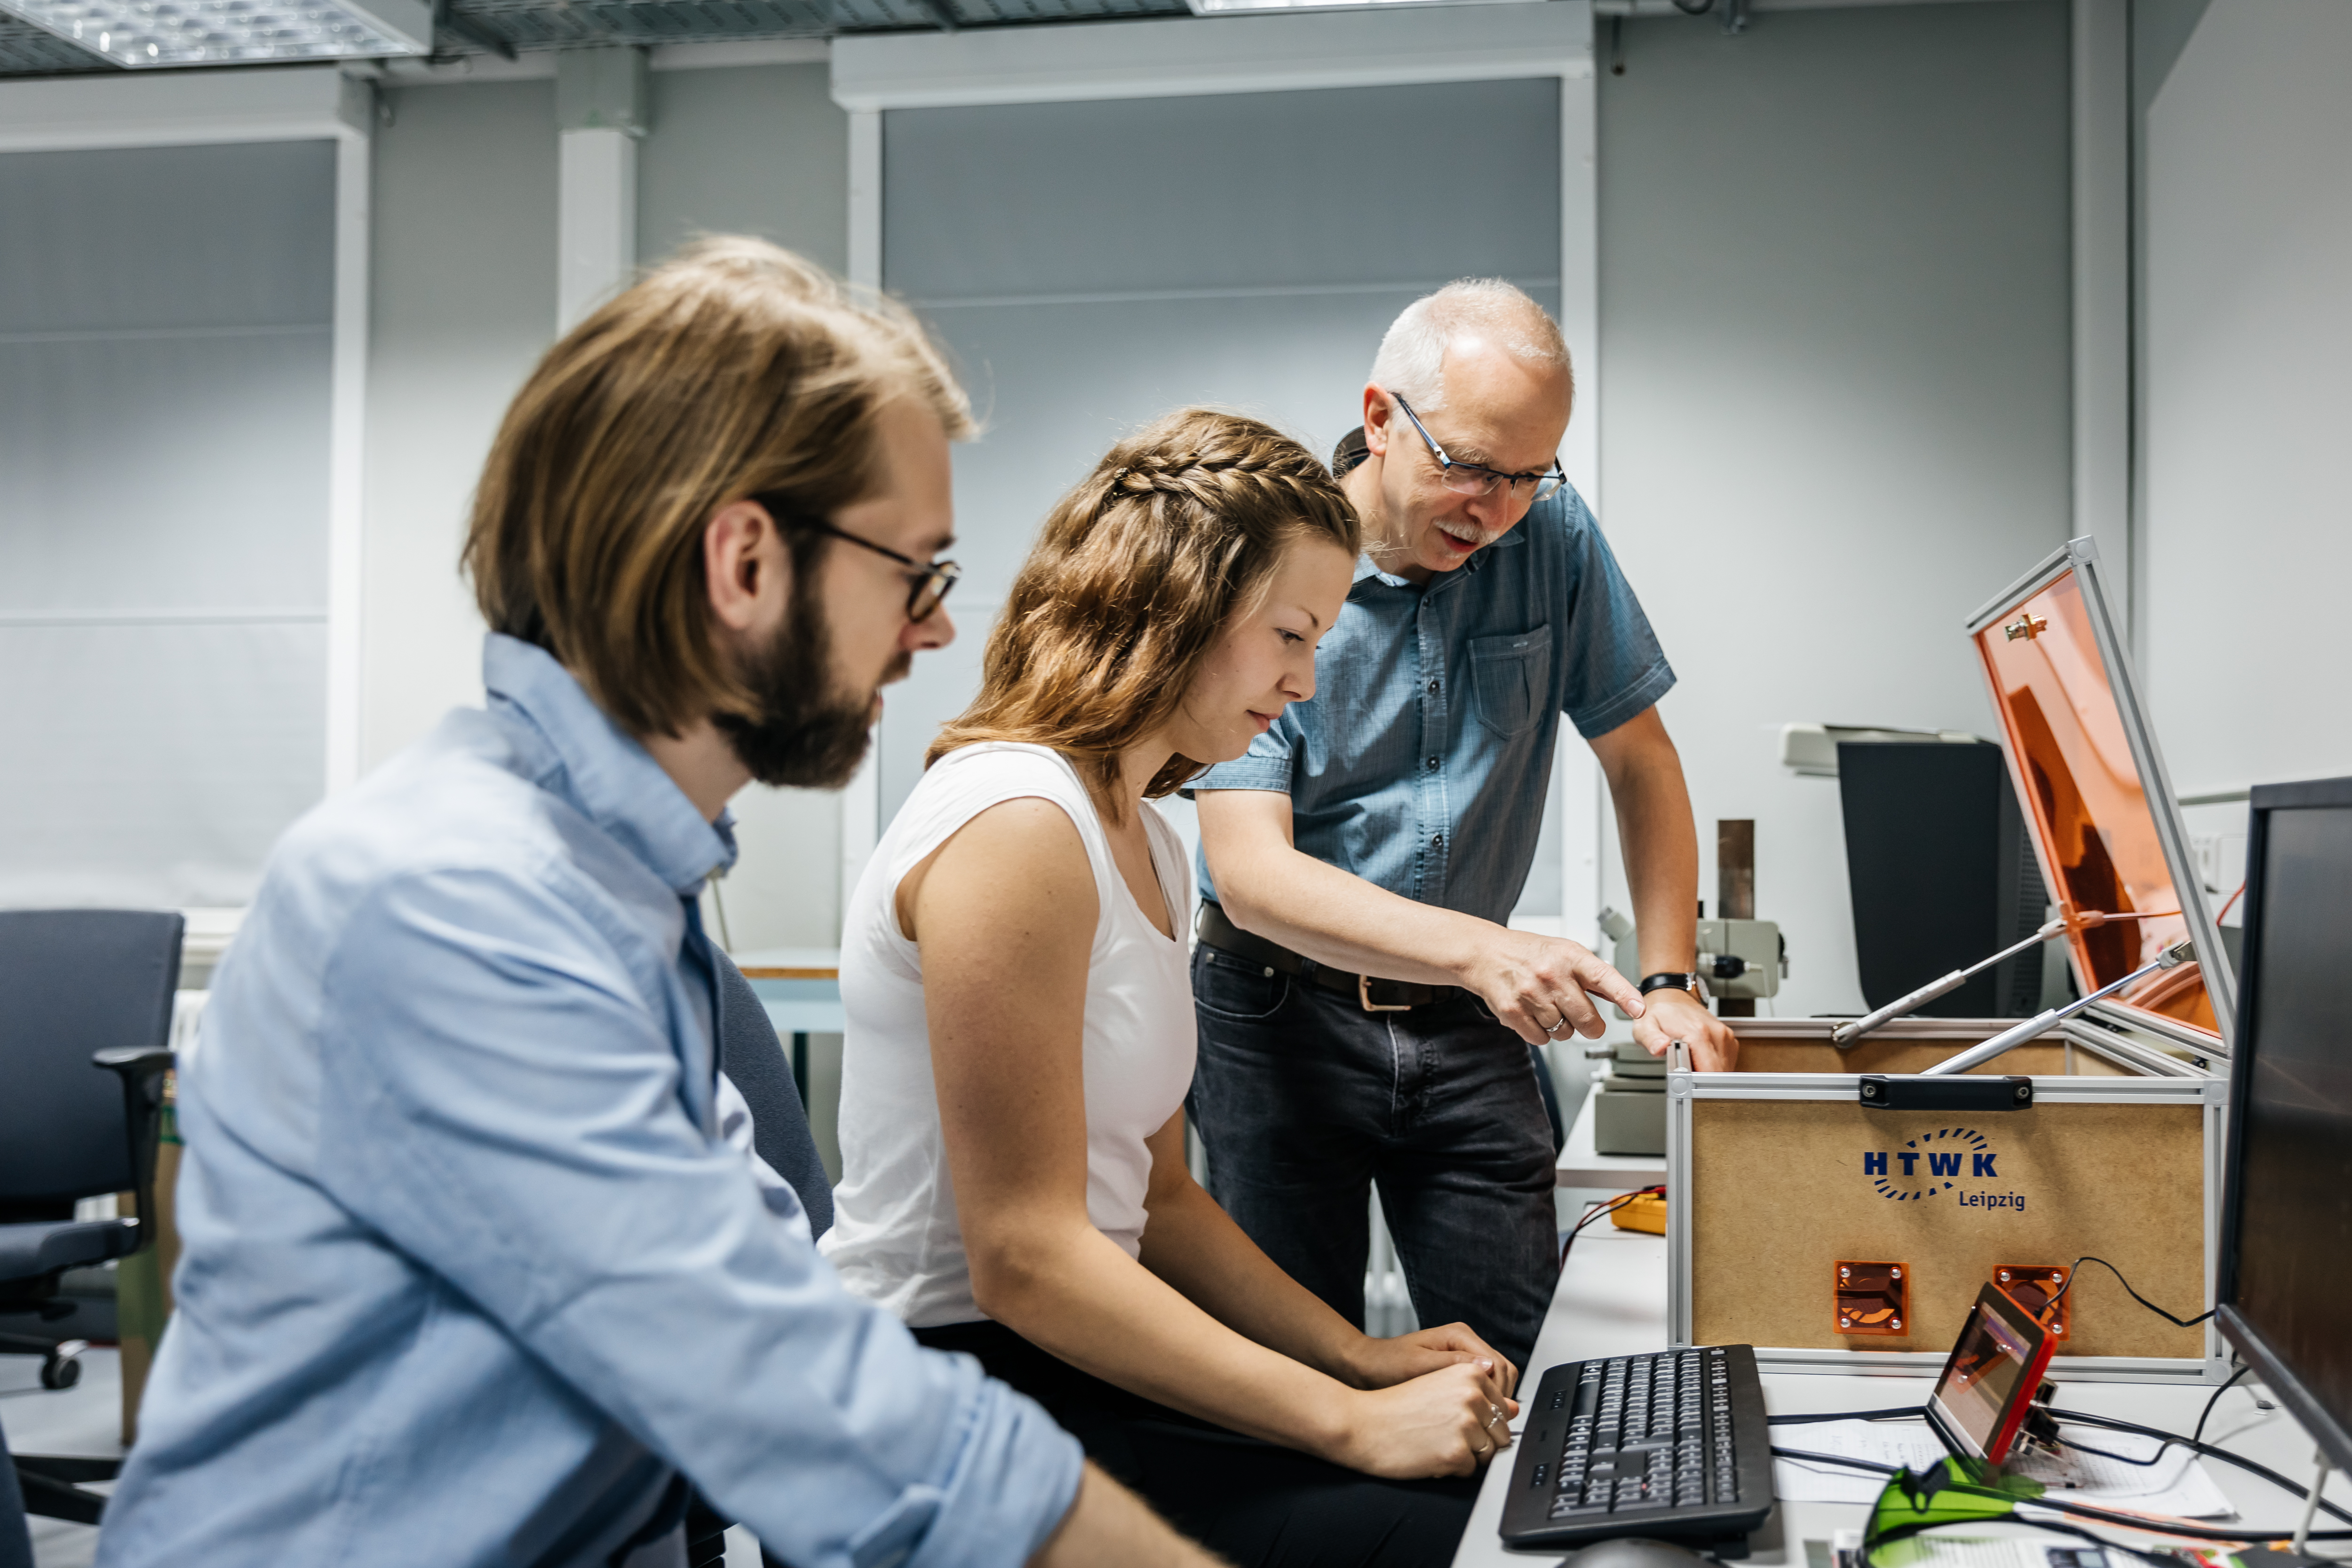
x=1683 y=1087
x=2081 y=556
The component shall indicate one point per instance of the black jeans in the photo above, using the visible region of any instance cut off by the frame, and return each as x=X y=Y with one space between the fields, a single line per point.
x=1304 y=1101
x=1252 y=1502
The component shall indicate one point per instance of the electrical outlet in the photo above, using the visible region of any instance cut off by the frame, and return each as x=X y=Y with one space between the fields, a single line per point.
x=2221 y=860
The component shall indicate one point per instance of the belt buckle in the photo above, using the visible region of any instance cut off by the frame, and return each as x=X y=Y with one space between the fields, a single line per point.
x=1364 y=996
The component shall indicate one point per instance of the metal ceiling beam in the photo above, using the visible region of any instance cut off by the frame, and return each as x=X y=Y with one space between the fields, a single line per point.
x=473 y=32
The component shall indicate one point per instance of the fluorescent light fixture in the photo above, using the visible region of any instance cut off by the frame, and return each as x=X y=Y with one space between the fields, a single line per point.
x=139 y=33
x=1248 y=8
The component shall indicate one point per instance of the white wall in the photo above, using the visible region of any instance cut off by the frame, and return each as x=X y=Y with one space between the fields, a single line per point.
x=758 y=150
x=2248 y=335
x=1835 y=324
x=463 y=286
x=464 y=295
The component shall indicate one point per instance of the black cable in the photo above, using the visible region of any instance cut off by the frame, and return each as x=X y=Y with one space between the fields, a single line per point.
x=2168 y=1442
x=2293 y=1489
x=2207 y=1414
x=2167 y=1525
x=2074 y=1273
x=1593 y=1212
x=2104 y=1453
x=1903 y=1413
x=1872 y=1466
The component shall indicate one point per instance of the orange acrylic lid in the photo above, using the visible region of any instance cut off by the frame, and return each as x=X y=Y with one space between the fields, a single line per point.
x=2090 y=782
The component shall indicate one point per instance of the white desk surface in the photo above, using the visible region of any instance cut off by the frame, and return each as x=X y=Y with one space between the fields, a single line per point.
x=796 y=962
x=1580 y=1166
x=1611 y=1301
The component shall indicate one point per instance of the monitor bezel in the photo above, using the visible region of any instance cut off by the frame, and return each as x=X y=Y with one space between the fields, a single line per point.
x=2269 y=1367
x=1947 y=1424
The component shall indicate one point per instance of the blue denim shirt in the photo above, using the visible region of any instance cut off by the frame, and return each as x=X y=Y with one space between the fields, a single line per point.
x=471 y=1273
x=1420 y=762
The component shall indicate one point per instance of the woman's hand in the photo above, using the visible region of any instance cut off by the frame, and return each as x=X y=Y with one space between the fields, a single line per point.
x=1382 y=1363
x=1443 y=1423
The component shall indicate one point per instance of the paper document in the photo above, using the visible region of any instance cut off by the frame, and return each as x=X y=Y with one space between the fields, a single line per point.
x=2175 y=1484
x=1940 y=1551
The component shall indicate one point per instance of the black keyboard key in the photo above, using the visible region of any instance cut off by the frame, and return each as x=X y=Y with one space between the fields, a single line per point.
x=1663 y=1444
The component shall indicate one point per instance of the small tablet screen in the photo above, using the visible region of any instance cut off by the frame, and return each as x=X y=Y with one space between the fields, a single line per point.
x=1994 y=1368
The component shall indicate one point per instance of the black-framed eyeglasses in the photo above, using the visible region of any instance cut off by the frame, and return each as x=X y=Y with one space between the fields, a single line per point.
x=1477 y=479
x=930 y=580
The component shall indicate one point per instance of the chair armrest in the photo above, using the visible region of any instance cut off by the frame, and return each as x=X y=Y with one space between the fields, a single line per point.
x=142 y=1070
x=138 y=1060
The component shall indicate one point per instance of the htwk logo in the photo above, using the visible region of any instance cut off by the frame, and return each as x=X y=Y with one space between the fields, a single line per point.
x=1932 y=1163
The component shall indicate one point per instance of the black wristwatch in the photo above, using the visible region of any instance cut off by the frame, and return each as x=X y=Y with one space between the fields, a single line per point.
x=1670 y=982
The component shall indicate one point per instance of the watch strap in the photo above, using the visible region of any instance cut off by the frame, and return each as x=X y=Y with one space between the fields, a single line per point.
x=1669 y=982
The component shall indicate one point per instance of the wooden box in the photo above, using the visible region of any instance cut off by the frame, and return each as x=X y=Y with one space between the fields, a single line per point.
x=2101 y=1136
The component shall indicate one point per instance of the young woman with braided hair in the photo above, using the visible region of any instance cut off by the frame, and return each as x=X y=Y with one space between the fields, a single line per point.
x=1021 y=1035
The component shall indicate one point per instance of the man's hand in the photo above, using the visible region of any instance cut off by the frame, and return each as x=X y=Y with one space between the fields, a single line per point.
x=1383 y=1364
x=1537 y=985
x=1679 y=1015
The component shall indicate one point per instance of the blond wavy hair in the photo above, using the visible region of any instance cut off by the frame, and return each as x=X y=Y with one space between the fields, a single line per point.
x=1137 y=568
x=735 y=369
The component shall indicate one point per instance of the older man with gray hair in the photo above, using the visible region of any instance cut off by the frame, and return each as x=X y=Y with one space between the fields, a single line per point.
x=1361 y=1001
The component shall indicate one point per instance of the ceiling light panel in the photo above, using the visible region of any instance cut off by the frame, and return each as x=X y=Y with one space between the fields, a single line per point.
x=142 y=33
x=1241 y=7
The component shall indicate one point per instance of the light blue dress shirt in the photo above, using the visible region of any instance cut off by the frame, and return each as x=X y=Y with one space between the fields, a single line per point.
x=471 y=1271
x=1422 y=761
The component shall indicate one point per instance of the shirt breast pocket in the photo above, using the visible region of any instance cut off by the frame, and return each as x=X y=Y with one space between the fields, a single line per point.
x=1511 y=678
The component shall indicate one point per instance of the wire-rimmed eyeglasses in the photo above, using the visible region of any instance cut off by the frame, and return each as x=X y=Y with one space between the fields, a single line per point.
x=1477 y=479
x=929 y=581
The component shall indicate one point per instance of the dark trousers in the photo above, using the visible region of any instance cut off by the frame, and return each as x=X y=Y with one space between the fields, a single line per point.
x=1252 y=1502
x=1304 y=1101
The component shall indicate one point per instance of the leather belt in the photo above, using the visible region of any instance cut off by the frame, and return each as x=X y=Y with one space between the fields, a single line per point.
x=1371 y=994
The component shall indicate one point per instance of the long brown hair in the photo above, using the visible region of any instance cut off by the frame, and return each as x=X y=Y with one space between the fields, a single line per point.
x=737 y=368
x=1137 y=568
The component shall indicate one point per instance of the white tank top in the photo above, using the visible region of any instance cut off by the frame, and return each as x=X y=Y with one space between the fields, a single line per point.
x=895 y=1238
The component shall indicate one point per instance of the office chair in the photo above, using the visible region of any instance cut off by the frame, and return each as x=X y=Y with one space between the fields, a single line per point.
x=83 y=993
x=753 y=1057
x=15 y=1540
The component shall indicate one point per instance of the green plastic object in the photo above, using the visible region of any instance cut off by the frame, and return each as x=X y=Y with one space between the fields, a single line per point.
x=1951 y=1491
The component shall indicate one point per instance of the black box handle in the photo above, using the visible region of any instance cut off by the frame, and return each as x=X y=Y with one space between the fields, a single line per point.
x=1912 y=1091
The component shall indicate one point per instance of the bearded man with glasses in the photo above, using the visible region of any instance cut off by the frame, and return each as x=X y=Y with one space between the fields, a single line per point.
x=1358 y=989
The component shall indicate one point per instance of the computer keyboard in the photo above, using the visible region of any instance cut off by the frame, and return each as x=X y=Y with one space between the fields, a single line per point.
x=1672 y=1445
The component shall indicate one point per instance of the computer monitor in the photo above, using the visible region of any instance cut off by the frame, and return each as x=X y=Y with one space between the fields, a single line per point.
x=1941 y=869
x=2285 y=1295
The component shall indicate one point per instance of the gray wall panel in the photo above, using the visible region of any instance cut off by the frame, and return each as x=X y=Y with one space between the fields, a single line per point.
x=1361 y=186
x=167 y=237
x=1835 y=344
x=752 y=150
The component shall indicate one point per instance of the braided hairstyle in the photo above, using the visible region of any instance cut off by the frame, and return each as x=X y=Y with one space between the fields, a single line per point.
x=1138 y=568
